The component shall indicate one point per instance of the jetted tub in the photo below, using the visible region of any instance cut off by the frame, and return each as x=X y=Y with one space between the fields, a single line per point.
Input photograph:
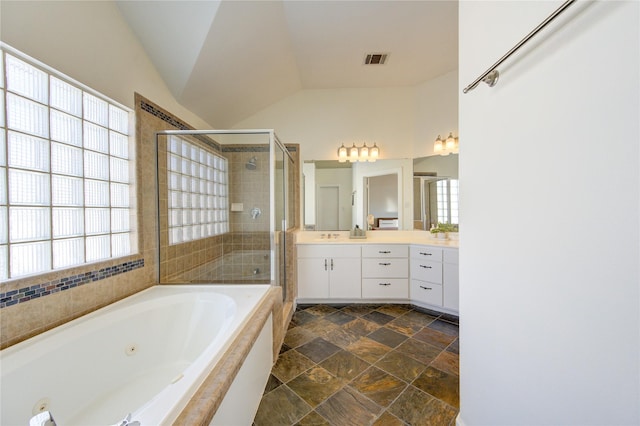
x=147 y=355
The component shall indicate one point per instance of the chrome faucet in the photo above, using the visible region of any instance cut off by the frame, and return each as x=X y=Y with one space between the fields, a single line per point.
x=127 y=422
x=42 y=419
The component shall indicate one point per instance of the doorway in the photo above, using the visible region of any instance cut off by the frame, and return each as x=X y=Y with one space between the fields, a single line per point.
x=382 y=199
x=327 y=207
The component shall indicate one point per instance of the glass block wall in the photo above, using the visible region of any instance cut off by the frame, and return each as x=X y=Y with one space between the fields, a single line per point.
x=65 y=172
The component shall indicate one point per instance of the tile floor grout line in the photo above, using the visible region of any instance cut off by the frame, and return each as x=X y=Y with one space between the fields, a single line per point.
x=411 y=323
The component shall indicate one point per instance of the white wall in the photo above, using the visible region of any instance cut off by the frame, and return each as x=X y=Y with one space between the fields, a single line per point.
x=403 y=121
x=436 y=106
x=90 y=42
x=442 y=165
x=309 y=193
x=321 y=120
x=549 y=276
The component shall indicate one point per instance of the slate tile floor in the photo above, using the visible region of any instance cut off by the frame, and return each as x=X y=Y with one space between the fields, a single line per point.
x=364 y=365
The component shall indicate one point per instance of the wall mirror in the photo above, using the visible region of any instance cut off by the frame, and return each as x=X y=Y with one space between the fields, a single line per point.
x=435 y=191
x=339 y=196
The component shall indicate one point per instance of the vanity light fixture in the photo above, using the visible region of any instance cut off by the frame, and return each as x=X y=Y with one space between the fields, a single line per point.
x=447 y=146
x=355 y=153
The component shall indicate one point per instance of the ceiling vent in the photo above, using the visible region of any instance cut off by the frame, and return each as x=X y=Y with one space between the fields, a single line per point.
x=375 y=58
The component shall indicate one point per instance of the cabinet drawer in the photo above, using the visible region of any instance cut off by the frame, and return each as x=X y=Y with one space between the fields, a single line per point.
x=426 y=292
x=328 y=250
x=384 y=250
x=391 y=288
x=385 y=268
x=426 y=271
x=450 y=256
x=425 y=252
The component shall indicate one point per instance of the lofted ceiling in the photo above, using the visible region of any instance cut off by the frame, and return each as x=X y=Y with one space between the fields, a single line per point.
x=227 y=60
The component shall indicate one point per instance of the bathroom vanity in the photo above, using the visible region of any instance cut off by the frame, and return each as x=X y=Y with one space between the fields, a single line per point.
x=386 y=267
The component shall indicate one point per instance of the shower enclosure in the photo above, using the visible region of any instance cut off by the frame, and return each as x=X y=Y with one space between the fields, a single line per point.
x=225 y=201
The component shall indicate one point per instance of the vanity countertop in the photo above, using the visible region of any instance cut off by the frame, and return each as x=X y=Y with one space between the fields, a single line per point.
x=374 y=237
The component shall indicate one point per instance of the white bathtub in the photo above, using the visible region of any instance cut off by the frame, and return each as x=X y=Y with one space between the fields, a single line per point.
x=146 y=355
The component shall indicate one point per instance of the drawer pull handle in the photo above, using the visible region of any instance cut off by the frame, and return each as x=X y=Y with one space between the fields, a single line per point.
x=426 y=267
x=325 y=264
x=385 y=284
x=384 y=252
x=425 y=288
x=384 y=264
x=426 y=254
x=332 y=264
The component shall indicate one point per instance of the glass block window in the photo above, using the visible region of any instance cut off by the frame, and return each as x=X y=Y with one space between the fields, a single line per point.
x=448 y=201
x=65 y=171
x=198 y=192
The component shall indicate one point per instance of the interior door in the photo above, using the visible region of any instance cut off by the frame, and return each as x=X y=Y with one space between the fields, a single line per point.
x=327 y=208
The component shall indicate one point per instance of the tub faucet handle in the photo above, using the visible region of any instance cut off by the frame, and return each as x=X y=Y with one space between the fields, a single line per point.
x=42 y=419
x=127 y=422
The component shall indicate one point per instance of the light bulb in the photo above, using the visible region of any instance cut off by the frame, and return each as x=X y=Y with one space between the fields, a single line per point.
x=342 y=154
x=451 y=142
x=353 y=153
x=374 y=153
x=364 y=152
x=437 y=146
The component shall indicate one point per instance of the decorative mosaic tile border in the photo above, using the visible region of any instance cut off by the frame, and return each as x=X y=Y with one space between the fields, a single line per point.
x=25 y=294
x=145 y=106
x=253 y=148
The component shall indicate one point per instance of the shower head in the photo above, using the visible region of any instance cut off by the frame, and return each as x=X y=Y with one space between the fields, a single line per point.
x=251 y=164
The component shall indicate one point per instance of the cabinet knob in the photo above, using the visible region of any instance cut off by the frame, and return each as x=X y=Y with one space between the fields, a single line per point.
x=384 y=264
x=425 y=266
x=425 y=288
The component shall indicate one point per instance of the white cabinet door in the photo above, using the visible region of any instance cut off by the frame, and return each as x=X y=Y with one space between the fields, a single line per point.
x=432 y=254
x=425 y=292
x=313 y=278
x=385 y=268
x=389 y=288
x=344 y=278
x=425 y=270
x=451 y=286
x=386 y=250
